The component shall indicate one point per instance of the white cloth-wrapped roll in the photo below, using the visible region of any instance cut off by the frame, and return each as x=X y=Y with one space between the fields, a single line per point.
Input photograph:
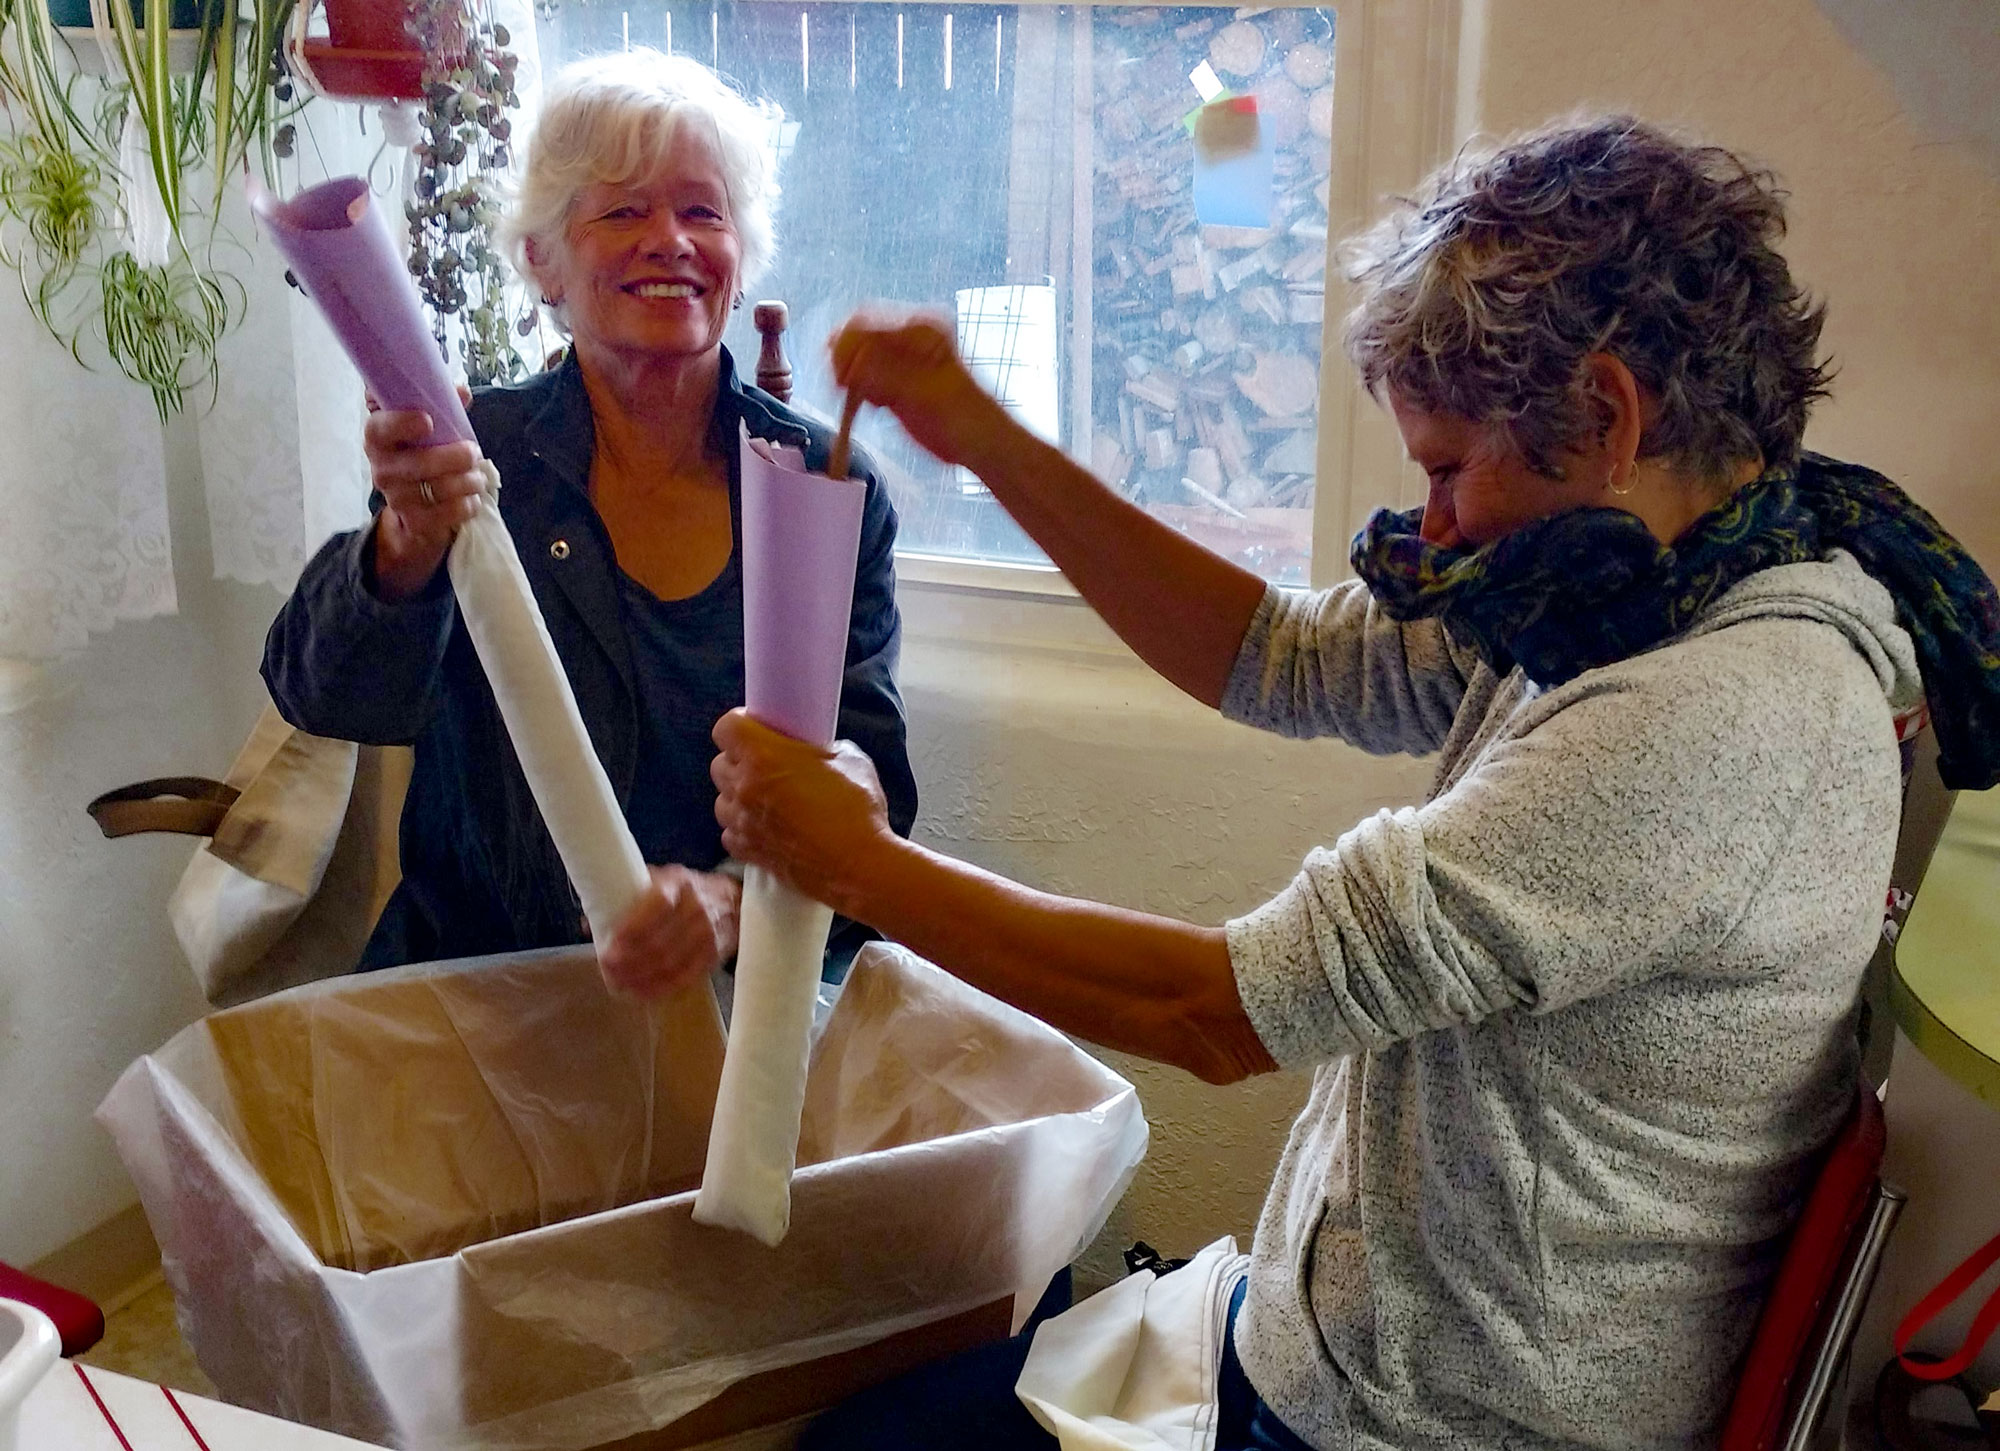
x=801 y=534
x=753 y=1146
x=535 y=701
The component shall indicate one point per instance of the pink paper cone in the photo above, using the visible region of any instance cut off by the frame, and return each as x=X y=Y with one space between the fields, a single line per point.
x=801 y=534
x=342 y=253
x=340 y=249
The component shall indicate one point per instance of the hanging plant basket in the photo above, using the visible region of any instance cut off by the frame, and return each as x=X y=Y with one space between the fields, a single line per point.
x=86 y=24
x=367 y=54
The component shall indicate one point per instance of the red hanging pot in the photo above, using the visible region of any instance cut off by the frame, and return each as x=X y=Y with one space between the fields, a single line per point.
x=369 y=25
x=367 y=54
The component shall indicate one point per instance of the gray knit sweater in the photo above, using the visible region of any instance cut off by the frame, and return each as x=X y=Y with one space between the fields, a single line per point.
x=1584 y=1016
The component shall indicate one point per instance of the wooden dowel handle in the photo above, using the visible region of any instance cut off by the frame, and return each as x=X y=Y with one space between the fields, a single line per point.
x=836 y=463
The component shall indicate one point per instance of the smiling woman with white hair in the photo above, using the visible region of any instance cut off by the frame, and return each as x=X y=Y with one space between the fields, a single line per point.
x=613 y=118
x=645 y=210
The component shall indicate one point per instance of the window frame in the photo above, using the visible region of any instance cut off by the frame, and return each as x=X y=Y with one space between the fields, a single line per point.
x=1405 y=93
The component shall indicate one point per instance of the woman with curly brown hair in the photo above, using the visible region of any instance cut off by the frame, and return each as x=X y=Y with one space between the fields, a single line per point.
x=1585 y=1017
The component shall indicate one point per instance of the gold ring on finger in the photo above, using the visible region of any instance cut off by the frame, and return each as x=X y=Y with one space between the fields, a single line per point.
x=426 y=493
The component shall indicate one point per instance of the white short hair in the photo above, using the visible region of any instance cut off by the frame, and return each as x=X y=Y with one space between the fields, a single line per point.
x=610 y=118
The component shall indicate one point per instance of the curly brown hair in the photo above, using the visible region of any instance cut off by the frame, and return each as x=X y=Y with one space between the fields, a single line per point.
x=1482 y=295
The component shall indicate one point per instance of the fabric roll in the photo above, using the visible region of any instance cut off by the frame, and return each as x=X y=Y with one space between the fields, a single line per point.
x=753 y=1145
x=535 y=700
x=801 y=534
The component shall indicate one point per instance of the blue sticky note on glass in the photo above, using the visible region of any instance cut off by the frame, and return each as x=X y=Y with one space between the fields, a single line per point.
x=1234 y=171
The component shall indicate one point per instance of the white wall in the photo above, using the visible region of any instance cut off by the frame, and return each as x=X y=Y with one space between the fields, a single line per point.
x=89 y=973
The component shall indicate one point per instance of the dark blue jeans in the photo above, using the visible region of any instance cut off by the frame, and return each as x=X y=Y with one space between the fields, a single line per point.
x=967 y=1403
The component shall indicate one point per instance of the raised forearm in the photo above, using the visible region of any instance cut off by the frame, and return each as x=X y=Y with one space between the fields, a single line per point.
x=1181 y=607
x=1145 y=985
x=340 y=662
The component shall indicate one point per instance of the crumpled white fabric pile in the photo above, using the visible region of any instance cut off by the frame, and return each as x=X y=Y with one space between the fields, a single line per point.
x=1135 y=1367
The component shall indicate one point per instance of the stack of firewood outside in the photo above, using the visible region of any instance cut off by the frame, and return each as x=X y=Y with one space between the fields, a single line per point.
x=1205 y=368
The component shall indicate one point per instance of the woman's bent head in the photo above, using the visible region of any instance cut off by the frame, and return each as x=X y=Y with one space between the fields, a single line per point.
x=627 y=120
x=1482 y=297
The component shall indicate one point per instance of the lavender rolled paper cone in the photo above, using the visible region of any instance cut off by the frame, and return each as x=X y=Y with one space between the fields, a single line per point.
x=801 y=535
x=343 y=255
x=340 y=249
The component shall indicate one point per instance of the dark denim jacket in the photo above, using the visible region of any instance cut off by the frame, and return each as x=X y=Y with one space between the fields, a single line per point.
x=480 y=873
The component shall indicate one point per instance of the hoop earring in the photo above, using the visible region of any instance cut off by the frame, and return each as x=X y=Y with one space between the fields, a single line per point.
x=1631 y=480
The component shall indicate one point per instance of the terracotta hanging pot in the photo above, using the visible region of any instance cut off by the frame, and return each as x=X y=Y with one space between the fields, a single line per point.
x=367 y=53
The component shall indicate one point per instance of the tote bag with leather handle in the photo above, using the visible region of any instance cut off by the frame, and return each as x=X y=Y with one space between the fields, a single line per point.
x=300 y=858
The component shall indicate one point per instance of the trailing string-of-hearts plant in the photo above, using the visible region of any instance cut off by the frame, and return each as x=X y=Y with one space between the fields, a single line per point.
x=463 y=148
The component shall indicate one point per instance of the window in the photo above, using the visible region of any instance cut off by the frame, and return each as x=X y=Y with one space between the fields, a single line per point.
x=1026 y=168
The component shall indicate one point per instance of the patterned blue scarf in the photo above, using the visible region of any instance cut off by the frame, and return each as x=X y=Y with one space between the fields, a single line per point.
x=1578 y=590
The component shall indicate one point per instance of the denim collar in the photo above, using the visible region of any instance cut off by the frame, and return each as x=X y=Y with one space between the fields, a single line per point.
x=562 y=433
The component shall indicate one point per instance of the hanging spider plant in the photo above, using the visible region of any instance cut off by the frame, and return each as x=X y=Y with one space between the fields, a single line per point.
x=57 y=178
x=156 y=309
x=52 y=164
x=161 y=326
x=56 y=198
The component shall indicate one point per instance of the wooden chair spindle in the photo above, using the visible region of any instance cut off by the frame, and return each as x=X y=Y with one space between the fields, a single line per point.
x=774 y=372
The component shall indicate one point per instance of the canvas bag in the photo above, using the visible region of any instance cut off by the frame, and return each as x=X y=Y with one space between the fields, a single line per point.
x=1134 y=1367
x=288 y=888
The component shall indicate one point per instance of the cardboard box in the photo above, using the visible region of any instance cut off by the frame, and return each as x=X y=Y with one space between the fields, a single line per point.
x=449 y=1206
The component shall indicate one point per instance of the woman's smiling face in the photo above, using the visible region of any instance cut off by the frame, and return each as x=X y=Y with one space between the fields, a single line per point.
x=650 y=266
x=1480 y=488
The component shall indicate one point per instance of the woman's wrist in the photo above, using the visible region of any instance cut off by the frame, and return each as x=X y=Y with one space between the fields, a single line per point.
x=394 y=576
x=882 y=874
x=724 y=898
x=991 y=437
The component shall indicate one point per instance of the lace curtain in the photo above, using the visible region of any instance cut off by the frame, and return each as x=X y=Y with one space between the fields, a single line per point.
x=85 y=541
x=82 y=495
